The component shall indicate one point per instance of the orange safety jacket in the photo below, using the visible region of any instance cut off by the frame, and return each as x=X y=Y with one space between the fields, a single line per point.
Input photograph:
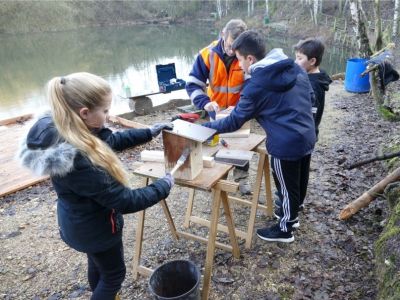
x=224 y=88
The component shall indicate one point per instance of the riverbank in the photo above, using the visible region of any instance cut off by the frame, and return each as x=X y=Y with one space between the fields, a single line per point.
x=325 y=261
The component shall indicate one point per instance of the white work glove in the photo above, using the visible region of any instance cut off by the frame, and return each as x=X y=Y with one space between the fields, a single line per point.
x=211 y=106
x=158 y=127
x=169 y=179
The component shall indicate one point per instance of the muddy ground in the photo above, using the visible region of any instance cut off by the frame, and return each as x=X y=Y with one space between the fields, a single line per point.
x=330 y=259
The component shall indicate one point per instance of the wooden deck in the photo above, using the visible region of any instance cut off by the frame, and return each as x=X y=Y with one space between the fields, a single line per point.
x=13 y=176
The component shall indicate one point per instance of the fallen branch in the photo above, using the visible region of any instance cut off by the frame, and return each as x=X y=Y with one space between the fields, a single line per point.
x=366 y=198
x=368 y=69
x=376 y=158
x=389 y=46
x=338 y=76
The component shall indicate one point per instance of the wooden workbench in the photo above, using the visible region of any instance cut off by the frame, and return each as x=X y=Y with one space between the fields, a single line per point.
x=210 y=179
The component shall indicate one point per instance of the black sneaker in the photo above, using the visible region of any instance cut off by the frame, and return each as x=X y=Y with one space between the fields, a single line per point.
x=274 y=234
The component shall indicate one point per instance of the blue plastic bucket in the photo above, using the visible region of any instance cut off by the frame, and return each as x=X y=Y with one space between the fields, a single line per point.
x=353 y=82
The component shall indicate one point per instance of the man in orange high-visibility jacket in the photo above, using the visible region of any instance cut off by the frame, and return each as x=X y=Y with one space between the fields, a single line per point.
x=218 y=65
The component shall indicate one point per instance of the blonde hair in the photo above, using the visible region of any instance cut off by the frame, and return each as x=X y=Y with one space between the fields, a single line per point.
x=67 y=95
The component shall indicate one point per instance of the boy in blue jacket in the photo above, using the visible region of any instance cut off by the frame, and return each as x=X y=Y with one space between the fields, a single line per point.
x=278 y=95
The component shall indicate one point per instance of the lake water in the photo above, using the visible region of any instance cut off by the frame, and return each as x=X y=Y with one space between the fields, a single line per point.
x=124 y=56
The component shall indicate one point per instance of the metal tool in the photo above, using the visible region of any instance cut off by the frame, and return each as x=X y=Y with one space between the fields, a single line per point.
x=224 y=143
x=181 y=160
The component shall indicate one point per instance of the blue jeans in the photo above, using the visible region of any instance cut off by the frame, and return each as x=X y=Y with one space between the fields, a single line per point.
x=106 y=272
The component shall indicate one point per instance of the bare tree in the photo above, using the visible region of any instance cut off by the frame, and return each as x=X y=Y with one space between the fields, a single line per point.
x=358 y=17
x=378 y=26
x=395 y=19
x=219 y=9
x=315 y=12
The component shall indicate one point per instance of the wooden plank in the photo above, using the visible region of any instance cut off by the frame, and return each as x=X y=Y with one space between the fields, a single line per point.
x=231 y=225
x=145 y=271
x=174 y=146
x=240 y=133
x=192 y=131
x=204 y=181
x=208 y=162
x=246 y=202
x=189 y=208
x=220 y=227
x=152 y=155
x=14 y=177
x=158 y=156
x=127 y=123
x=201 y=239
x=227 y=186
x=249 y=143
x=234 y=154
x=19 y=119
x=216 y=204
x=171 y=223
x=139 y=237
x=256 y=195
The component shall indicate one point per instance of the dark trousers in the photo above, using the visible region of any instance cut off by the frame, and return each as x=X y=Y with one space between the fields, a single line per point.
x=291 y=180
x=106 y=272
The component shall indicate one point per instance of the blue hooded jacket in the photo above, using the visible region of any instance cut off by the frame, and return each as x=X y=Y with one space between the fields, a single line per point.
x=278 y=95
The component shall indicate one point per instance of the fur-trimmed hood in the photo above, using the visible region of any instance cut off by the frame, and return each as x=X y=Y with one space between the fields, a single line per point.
x=44 y=152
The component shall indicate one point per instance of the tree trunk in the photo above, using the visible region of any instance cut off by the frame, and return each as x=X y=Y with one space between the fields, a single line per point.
x=358 y=16
x=373 y=78
x=219 y=9
x=315 y=12
x=395 y=19
x=378 y=25
x=366 y=198
x=266 y=8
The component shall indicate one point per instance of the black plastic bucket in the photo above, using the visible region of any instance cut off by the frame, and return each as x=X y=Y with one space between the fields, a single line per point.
x=176 y=280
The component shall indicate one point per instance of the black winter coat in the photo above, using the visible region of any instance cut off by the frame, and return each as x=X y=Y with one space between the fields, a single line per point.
x=90 y=201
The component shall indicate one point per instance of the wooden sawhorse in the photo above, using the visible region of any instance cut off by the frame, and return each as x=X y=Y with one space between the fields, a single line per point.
x=263 y=171
x=207 y=180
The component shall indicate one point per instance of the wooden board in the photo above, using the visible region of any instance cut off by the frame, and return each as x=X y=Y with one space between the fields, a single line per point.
x=249 y=143
x=204 y=181
x=174 y=146
x=127 y=123
x=240 y=133
x=192 y=131
x=14 y=177
x=234 y=154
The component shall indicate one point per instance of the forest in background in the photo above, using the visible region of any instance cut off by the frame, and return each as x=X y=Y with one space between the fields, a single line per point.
x=302 y=18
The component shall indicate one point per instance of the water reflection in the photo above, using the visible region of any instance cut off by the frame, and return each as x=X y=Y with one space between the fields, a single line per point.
x=122 y=55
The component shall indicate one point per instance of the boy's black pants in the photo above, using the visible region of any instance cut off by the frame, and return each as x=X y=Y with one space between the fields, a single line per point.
x=291 y=180
x=106 y=272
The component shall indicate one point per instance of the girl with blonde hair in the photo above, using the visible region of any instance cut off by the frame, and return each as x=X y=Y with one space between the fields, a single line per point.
x=73 y=147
